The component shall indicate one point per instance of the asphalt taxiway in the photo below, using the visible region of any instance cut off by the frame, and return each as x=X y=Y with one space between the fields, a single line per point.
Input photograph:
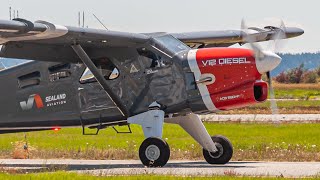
x=181 y=168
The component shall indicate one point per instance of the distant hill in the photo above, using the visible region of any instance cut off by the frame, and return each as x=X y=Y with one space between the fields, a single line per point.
x=289 y=61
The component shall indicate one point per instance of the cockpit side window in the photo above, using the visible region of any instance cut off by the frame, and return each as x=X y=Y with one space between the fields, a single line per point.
x=150 y=59
x=106 y=68
x=29 y=80
x=169 y=45
x=60 y=71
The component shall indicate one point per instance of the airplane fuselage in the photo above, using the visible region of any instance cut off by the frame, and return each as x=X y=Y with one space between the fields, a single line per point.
x=49 y=94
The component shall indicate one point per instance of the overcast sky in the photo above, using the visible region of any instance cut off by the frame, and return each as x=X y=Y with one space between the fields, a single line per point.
x=178 y=15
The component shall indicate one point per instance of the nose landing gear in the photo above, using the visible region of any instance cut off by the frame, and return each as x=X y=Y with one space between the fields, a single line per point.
x=224 y=153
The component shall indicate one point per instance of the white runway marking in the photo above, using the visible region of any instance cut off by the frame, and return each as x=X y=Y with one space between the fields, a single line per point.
x=187 y=168
x=264 y=118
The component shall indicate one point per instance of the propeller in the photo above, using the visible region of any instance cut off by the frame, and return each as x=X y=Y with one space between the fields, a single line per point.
x=266 y=60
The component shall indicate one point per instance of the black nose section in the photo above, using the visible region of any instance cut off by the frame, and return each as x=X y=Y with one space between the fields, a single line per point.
x=293 y=32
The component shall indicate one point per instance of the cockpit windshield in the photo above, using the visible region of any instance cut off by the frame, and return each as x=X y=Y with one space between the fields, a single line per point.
x=170 y=45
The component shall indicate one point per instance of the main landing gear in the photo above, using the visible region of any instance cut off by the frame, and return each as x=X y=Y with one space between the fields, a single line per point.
x=155 y=152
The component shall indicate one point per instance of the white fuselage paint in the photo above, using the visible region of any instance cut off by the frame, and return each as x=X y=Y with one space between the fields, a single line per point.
x=192 y=61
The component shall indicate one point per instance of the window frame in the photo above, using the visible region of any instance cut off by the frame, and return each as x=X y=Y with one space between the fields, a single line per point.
x=35 y=75
x=92 y=78
x=55 y=70
x=158 y=43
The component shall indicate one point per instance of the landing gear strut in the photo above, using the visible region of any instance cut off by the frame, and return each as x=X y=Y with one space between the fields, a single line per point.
x=216 y=149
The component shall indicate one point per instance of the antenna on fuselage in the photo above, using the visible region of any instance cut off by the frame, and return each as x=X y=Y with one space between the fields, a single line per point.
x=10 y=9
x=79 y=19
x=100 y=21
x=82 y=19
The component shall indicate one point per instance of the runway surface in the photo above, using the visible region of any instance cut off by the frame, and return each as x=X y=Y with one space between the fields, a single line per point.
x=183 y=168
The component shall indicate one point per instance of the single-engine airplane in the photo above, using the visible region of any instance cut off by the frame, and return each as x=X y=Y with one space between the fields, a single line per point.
x=99 y=78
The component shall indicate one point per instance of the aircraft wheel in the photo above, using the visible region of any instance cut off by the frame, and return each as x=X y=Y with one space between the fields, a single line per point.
x=224 y=153
x=154 y=152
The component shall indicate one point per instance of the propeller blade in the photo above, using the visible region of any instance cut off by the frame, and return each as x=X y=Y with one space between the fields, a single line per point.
x=269 y=77
x=247 y=38
x=252 y=34
x=273 y=103
x=278 y=38
x=276 y=46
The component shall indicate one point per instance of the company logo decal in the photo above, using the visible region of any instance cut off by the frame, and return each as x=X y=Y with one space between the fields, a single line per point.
x=222 y=61
x=54 y=100
x=27 y=105
x=229 y=97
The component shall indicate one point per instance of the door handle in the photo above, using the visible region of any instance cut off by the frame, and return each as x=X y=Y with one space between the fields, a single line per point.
x=206 y=79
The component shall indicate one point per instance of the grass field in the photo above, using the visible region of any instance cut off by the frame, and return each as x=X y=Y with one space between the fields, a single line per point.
x=296 y=86
x=297 y=91
x=297 y=94
x=285 y=107
x=69 y=176
x=295 y=99
x=294 y=142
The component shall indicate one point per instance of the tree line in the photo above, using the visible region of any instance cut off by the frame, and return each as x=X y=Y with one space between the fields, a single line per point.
x=299 y=75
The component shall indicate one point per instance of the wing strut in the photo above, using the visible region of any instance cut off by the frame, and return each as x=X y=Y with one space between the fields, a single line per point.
x=102 y=81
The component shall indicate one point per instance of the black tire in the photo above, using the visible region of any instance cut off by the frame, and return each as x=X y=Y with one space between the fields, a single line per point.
x=224 y=153
x=154 y=152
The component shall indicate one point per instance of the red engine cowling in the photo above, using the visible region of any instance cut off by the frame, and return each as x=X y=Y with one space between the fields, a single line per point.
x=227 y=78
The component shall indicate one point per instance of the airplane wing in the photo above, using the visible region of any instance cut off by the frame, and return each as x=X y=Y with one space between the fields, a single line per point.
x=229 y=37
x=45 y=41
